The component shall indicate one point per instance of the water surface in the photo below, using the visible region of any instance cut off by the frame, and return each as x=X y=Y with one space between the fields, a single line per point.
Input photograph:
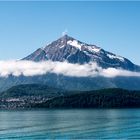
x=70 y=124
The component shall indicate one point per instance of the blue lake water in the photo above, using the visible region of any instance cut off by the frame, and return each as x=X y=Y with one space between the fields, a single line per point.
x=70 y=124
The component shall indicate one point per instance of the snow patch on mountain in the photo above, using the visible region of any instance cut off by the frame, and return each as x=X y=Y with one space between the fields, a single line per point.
x=93 y=49
x=74 y=43
x=62 y=46
x=79 y=45
x=115 y=57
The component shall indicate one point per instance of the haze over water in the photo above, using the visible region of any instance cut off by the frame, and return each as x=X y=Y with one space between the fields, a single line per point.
x=70 y=124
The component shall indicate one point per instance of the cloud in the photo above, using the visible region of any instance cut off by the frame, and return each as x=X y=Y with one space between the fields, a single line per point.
x=30 y=68
x=64 y=32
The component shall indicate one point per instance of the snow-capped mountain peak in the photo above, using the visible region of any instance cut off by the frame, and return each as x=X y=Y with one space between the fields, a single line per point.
x=72 y=50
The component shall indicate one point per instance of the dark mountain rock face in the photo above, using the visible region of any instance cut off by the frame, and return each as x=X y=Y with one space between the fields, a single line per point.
x=69 y=49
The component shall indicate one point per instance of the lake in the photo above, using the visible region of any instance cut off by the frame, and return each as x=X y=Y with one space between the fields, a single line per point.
x=70 y=124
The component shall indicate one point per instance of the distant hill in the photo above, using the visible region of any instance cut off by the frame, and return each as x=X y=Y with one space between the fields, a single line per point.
x=42 y=96
x=105 y=98
x=31 y=90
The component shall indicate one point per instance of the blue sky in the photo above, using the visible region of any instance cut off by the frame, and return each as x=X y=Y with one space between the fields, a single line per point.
x=26 y=26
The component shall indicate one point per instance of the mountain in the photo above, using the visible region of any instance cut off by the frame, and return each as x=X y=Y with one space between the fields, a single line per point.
x=69 y=49
x=72 y=50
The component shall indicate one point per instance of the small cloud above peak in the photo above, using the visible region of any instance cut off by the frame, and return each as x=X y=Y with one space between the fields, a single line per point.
x=65 y=32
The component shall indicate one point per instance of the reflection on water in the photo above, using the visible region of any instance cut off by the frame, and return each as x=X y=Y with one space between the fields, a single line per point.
x=70 y=124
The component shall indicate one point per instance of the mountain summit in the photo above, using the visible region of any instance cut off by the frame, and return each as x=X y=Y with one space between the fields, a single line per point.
x=72 y=50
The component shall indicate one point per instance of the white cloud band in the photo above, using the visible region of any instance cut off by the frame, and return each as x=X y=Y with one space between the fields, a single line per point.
x=29 y=68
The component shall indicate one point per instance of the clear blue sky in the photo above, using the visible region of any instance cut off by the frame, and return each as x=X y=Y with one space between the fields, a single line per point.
x=26 y=26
